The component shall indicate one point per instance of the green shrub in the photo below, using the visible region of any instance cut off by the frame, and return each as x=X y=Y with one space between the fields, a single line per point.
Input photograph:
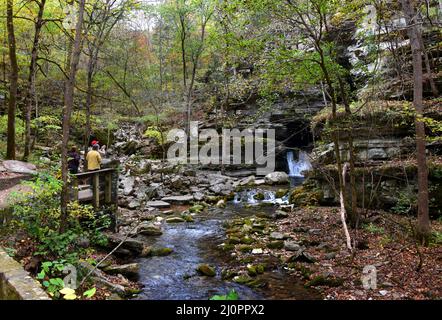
x=406 y=203
x=19 y=127
x=38 y=213
x=154 y=133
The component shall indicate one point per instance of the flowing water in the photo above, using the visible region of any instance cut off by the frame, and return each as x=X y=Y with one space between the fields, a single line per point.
x=297 y=167
x=173 y=277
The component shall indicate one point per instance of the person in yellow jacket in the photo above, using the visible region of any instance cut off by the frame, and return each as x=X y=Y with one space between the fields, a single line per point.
x=93 y=158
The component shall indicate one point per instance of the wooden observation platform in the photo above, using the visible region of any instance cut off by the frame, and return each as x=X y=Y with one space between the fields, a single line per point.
x=96 y=187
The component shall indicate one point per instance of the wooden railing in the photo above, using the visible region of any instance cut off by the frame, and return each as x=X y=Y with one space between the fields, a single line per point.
x=94 y=186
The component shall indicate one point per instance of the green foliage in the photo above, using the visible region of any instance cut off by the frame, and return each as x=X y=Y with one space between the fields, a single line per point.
x=232 y=295
x=406 y=203
x=436 y=238
x=305 y=196
x=372 y=228
x=90 y=293
x=19 y=127
x=153 y=133
x=50 y=277
x=38 y=213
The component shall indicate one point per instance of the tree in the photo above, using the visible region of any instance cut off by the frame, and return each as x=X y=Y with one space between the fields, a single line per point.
x=74 y=59
x=205 y=12
x=31 y=77
x=415 y=35
x=13 y=81
x=102 y=18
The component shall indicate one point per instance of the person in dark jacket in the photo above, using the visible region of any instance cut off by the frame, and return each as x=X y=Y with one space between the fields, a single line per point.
x=73 y=160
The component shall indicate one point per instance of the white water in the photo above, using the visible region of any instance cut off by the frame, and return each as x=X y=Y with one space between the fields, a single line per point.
x=248 y=197
x=296 y=167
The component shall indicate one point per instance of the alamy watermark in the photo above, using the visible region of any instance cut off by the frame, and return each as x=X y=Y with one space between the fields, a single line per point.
x=369 y=278
x=230 y=147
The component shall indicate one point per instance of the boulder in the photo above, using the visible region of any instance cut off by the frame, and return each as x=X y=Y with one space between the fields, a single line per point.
x=206 y=270
x=128 y=270
x=277 y=177
x=134 y=246
x=16 y=166
x=301 y=256
x=128 y=185
x=149 y=229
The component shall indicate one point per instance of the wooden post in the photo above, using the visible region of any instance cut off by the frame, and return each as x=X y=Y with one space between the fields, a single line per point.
x=75 y=188
x=108 y=188
x=96 y=190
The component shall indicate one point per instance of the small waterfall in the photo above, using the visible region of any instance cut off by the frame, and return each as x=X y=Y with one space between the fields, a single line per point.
x=250 y=197
x=296 y=167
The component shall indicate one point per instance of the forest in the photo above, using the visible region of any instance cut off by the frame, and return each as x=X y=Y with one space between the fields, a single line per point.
x=220 y=150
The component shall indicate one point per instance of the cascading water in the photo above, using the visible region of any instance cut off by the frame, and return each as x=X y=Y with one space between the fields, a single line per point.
x=297 y=167
x=269 y=196
x=257 y=196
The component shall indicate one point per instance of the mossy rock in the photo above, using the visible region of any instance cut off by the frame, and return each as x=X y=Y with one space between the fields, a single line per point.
x=248 y=259
x=197 y=208
x=233 y=240
x=206 y=270
x=254 y=270
x=245 y=248
x=214 y=199
x=228 y=247
x=247 y=240
x=187 y=217
x=160 y=252
x=228 y=274
x=259 y=196
x=322 y=280
x=281 y=193
x=304 y=197
x=175 y=220
x=243 y=279
x=256 y=283
x=276 y=244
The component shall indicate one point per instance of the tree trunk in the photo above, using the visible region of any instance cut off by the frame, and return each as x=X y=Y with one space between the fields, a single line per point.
x=89 y=93
x=67 y=111
x=13 y=82
x=423 y=219
x=433 y=86
x=31 y=79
